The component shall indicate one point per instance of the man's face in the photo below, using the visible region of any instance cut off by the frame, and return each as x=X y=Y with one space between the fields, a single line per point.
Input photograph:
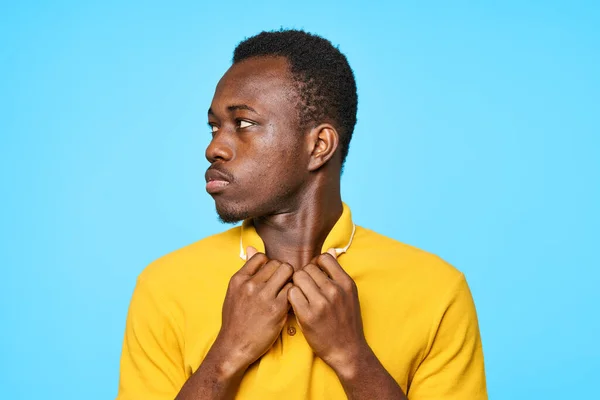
x=257 y=153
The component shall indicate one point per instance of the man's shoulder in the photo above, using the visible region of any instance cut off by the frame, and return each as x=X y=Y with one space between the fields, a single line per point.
x=194 y=258
x=402 y=257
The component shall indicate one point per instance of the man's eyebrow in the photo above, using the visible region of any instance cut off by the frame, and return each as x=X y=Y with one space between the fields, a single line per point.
x=241 y=107
x=234 y=107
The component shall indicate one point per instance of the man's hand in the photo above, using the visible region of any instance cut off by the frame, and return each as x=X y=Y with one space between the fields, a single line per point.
x=255 y=309
x=325 y=301
x=254 y=312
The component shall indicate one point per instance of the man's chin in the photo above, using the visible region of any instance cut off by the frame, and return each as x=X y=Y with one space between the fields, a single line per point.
x=229 y=219
x=231 y=216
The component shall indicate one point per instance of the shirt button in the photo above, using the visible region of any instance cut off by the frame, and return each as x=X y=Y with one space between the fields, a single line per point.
x=291 y=330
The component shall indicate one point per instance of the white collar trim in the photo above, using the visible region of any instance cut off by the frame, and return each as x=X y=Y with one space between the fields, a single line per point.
x=338 y=251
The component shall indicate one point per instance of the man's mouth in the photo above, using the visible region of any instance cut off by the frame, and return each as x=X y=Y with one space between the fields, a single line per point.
x=216 y=180
x=216 y=186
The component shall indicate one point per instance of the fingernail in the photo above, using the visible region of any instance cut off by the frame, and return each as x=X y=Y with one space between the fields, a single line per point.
x=250 y=251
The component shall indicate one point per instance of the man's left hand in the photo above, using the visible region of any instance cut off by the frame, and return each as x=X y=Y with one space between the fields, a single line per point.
x=325 y=300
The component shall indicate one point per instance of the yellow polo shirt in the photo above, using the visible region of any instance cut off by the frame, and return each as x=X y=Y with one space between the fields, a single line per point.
x=417 y=310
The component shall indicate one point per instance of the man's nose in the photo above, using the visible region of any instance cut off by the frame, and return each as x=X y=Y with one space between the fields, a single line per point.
x=219 y=149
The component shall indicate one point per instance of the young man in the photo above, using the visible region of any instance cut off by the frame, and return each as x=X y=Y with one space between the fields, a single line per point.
x=297 y=302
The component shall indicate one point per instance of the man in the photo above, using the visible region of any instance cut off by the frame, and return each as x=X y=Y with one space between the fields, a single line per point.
x=298 y=302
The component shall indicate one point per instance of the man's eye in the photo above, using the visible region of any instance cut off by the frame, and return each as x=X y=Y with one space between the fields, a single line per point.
x=244 y=124
x=213 y=128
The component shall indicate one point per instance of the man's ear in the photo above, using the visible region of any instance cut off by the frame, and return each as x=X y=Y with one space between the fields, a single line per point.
x=323 y=141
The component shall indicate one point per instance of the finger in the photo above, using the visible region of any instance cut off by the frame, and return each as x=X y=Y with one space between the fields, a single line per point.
x=250 y=251
x=267 y=270
x=282 y=296
x=309 y=287
x=253 y=264
x=320 y=278
x=329 y=264
x=298 y=300
x=332 y=252
x=282 y=275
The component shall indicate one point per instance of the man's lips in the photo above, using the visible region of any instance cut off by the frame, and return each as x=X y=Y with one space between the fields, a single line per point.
x=216 y=180
x=216 y=186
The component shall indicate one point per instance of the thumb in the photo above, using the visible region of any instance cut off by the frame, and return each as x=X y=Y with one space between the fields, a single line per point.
x=250 y=252
x=332 y=252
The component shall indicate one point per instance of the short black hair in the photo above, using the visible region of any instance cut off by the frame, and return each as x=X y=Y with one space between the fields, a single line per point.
x=325 y=81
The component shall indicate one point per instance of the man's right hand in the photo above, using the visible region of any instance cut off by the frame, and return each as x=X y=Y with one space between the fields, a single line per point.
x=254 y=311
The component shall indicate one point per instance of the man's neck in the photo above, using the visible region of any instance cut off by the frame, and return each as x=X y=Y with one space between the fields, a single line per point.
x=297 y=236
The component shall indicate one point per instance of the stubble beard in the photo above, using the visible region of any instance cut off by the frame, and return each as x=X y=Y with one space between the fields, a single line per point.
x=234 y=212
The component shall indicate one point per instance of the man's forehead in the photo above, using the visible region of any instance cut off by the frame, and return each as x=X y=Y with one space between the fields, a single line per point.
x=259 y=79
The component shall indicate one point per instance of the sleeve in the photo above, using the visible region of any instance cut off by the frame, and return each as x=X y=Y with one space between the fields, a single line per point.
x=151 y=361
x=453 y=368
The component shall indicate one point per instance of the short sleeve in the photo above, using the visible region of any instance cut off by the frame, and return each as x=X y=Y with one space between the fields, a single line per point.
x=151 y=360
x=453 y=369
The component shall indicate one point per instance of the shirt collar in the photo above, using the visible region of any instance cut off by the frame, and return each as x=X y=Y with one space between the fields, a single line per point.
x=339 y=238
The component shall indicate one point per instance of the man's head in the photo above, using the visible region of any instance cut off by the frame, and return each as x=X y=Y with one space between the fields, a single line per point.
x=282 y=115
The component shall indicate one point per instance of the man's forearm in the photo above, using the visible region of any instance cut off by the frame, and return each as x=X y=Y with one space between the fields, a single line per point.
x=365 y=378
x=217 y=378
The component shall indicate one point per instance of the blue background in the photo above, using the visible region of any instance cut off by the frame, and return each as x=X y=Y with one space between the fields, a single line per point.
x=478 y=140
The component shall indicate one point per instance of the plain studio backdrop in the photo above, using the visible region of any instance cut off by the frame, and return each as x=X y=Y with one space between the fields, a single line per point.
x=477 y=140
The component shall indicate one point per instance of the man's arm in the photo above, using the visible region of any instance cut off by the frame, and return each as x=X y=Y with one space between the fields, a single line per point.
x=254 y=312
x=363 y=377
x=453 y=367
x=325 y=300
x=151 y=359
x=218 y=377
x=152 y=365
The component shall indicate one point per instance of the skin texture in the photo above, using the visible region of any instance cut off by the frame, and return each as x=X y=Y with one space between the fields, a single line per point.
x=287 y=179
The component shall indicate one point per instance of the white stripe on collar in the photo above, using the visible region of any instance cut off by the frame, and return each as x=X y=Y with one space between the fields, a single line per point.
x=338 y=251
